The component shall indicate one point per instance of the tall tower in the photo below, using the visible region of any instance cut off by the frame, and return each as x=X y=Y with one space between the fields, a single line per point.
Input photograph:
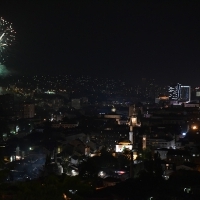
x=132 y=123
x=133 y=116
x=131 y=133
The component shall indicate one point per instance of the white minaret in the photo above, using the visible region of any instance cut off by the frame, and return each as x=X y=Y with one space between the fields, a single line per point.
x=134 y=117
x=132 y=123
x=131 y=132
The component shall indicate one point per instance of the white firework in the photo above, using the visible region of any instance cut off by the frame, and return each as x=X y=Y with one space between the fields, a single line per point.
x=7 y=36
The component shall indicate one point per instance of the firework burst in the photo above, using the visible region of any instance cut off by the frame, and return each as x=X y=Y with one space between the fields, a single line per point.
x=7 y=36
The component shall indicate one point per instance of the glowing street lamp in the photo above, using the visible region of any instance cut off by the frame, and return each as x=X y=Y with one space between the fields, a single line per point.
x=194 y=127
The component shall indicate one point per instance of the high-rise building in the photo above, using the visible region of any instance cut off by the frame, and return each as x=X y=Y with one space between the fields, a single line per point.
x=185 y=93
x=179 y=93
x=175 y=92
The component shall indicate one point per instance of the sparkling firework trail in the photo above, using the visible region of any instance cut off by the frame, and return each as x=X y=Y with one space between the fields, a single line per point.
x=7 y=36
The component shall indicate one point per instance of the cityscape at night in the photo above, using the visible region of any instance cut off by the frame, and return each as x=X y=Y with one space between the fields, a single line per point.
x=99 y=100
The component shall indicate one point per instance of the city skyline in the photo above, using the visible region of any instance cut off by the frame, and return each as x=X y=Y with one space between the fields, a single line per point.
x=113 y=39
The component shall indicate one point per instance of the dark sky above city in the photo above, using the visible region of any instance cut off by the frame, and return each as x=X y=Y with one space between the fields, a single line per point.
x=122 y=39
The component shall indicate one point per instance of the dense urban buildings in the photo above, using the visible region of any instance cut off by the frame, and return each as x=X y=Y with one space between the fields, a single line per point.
x=61 y=126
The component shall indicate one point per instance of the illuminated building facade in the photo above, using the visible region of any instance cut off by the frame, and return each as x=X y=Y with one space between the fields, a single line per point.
x=175 y=92
x=179 y=93
x=185 y=94
x=123 y=144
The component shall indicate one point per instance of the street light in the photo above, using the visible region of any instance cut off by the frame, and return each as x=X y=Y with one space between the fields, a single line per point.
x=194 y=127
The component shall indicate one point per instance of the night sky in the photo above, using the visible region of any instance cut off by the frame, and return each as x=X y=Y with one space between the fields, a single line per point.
x=117 y=39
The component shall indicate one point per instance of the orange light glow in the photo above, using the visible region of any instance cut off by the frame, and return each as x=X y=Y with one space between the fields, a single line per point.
x=194 y=127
